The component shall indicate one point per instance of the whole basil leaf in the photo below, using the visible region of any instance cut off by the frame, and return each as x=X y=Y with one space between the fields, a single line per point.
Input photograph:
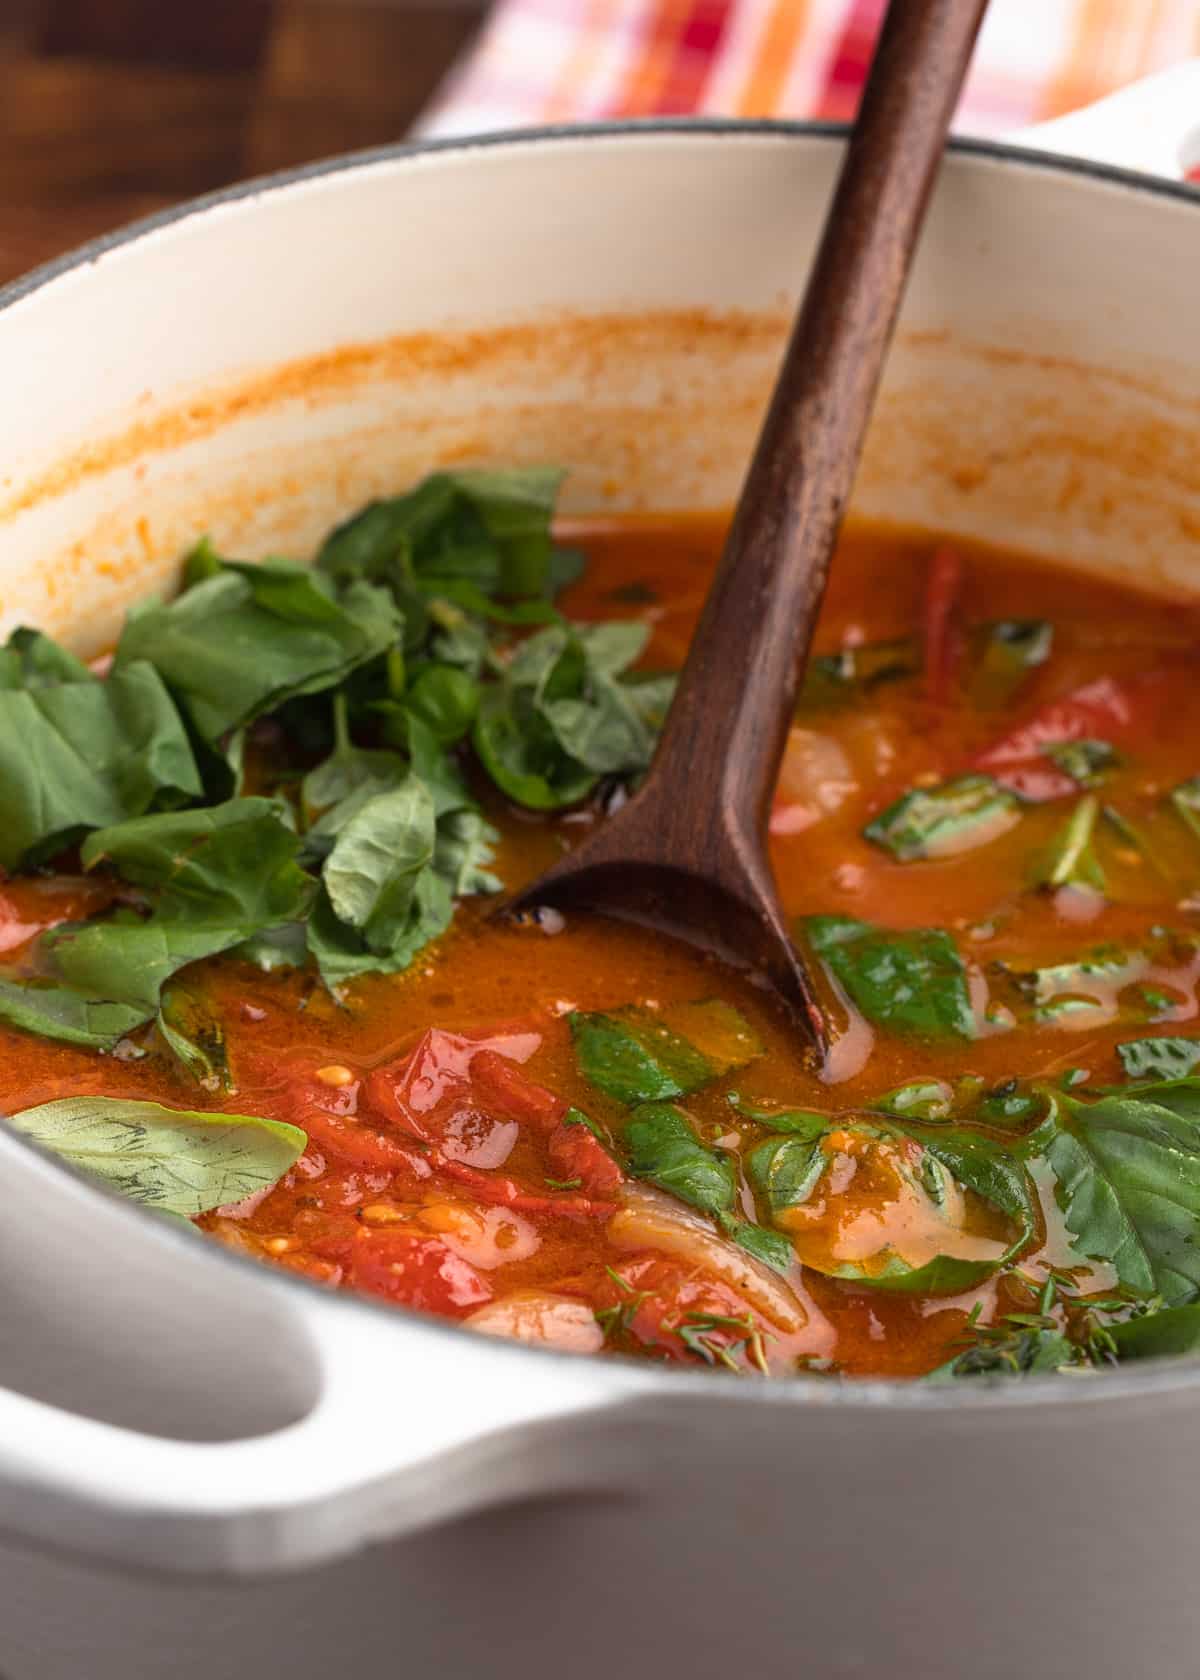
x=955 y=816
x=71 y=1017
x=80 y=753
x=785 y=1171
x=1156 y=1335
x=664 y=1150
x=371 y=872
x=31 y=659
x=491 y=528
x=1127 y=1178
x=562 y=716
x=343 y=954
x=446 y=700
x=176 y=1160
x=234 y=861
x=912 y=982
x=250 y=637
x=217 y=876
x=400 y=843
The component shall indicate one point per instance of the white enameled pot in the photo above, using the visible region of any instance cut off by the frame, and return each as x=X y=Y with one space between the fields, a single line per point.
x=208 y=1469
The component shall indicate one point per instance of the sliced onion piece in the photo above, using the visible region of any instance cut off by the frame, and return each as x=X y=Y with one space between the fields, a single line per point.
x=539 y=1317
x=651 y=1219
x=487 y=1237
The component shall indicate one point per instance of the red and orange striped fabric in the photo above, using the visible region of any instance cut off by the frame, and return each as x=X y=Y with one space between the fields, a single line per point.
x=579 y=60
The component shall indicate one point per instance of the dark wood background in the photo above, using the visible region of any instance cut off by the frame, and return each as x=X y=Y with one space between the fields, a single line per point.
x=112 y=108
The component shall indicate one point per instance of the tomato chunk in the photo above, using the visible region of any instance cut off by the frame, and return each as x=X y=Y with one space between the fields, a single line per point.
x=944 y=635
x=360 y=1144
x=668 y=1308
x=420 y=1092
x=1105 y=710
x=415 y=1271
x=576 y=1152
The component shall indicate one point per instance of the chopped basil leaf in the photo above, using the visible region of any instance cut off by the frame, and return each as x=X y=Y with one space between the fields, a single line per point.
x=196 y=1034
x=834 y=678
x=771 y=1247
x=175 y=1160
x=1159 y=1058
x=664 y=1150
x=1185 y=802
x=576 y=1117
x=1133 y=837
x=955 y=816
x=913 y=982
x=784 y=1171
x=490 y=528
x=635 y=1055
x=1071 y=860
x=1086 y=762
x=252 y=636
x=803 y=1122
x=922 y=1099
x=1154 y=1335
x=1018 y=1351
x=564 y=714
x=1104 y=983
x=1011 y=648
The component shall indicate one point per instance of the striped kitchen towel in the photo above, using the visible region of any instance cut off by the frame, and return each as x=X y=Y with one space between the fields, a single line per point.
x=540 y=61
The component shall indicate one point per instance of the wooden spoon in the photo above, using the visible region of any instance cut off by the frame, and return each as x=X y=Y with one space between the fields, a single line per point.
x=687 y=853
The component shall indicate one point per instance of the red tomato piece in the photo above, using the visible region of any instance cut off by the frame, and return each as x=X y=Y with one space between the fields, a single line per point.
x=506 y=1192
x=437 y=1076
x=667 y=1307
x=500 y=1089
x=416 y=1272
x=360 y=1144
x=944 y=635
x=575 y=1152
x=1105 y=710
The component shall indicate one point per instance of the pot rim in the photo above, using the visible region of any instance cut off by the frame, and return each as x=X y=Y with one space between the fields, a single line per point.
x=1159 y=1377
x=701 y=128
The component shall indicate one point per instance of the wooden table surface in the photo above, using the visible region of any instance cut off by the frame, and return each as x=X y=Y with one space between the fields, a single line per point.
x=112 y=108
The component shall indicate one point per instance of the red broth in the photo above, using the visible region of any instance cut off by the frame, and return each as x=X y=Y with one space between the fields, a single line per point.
x=445 y=1169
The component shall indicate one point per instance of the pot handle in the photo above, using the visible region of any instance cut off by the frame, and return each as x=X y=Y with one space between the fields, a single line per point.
x=1152 y=126
x=317 y=1423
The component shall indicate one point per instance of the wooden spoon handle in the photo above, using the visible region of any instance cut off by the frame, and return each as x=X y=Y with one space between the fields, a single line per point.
x=733 y=713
